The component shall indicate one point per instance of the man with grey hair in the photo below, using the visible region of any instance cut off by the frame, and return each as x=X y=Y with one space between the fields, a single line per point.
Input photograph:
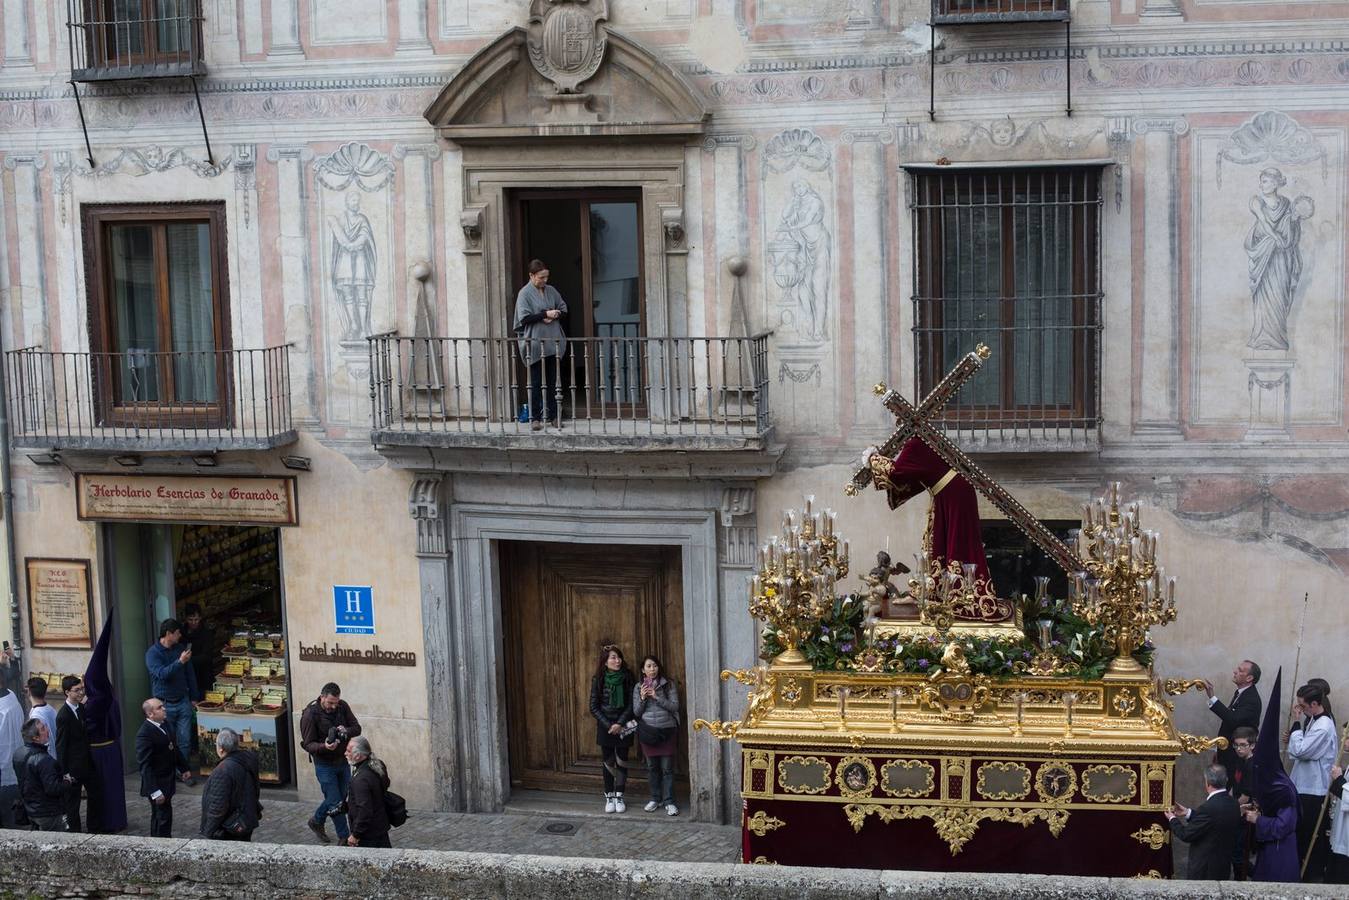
x=40 y=783
x=230 y=805
x=1210 y=830
x=367 y=815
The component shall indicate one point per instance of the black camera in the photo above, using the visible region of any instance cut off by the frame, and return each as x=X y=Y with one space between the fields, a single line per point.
x=332 y=735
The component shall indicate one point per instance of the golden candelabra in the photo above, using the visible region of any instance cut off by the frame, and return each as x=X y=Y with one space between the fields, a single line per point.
x=1122 y=587
x=795 y=584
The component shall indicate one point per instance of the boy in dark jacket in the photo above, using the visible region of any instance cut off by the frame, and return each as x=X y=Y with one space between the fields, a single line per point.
x=230 y=805
x=325 y=727
x=41 y=784
x=365 y=802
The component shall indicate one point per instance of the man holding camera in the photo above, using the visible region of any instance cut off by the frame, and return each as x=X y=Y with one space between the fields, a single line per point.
x=325 y=727
x=173 y=680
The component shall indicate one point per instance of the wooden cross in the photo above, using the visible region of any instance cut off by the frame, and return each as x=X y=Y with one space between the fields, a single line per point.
x=917 y=422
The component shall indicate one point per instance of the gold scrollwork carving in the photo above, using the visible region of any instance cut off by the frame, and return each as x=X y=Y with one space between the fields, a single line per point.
x=1193 y=743
x=816 y=764
x=761 y=823
x=763 y=861
x=928 y=773
x=1100 y=793
x=957 y=824
x=790 y=691
x=722 y=731
x=1155 y=836
x=1176 y=686
x=855 y=777
x=1150 y=873
x=1004 y=768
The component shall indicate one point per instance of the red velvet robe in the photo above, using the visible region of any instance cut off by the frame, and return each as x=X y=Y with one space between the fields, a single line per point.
x=955 y=509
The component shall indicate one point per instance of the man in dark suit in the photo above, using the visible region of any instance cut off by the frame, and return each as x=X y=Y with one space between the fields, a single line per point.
x=73 y=753
x=1210 y=829
x=1244 y=710
x=159 y=758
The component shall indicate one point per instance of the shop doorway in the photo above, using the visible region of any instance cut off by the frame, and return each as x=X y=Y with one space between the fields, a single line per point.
x=560 y=603
x=232 y=574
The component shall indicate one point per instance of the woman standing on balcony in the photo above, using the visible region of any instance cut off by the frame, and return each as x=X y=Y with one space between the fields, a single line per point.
x=539 y=309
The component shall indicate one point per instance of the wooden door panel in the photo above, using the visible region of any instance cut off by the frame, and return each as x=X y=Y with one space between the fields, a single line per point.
x=560 y=603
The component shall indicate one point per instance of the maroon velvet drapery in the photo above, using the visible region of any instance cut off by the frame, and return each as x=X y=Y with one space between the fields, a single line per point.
x=955 y=509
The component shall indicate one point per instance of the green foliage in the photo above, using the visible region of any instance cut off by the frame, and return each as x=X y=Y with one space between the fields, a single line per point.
x=838 y=637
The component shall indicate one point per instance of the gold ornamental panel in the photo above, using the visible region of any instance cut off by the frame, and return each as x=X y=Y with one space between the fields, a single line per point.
x=1003 y=781
x=908 y=778
x=1155 y=836
x=804 y=775
x=856 y=777
x=1109 y=783
x=1055 y=783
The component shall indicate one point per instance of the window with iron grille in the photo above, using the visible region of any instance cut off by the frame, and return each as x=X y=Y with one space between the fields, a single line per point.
x=158 y=311
x=1010 y=258
x=135 y=38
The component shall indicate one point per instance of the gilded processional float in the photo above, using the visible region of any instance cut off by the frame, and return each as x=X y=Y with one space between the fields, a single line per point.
x=929 y=723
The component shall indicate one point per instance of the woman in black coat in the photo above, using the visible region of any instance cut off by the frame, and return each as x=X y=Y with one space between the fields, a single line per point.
x=611 y=705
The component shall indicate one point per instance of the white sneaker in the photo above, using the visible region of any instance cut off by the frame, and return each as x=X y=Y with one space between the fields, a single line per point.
x=609 y=804
x=671 y=809
x=619 y=805
x=651 y=806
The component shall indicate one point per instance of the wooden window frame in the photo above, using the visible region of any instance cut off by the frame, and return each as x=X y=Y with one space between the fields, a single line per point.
x=100 y=17
x=167 y=411
x=929 y=210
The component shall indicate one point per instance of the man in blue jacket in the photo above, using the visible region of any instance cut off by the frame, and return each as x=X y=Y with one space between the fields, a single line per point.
x=172 y=679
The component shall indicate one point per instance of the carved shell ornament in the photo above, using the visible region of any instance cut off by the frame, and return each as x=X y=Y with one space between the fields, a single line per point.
x=797 y=147
x=566 y=40
x=1272 y=136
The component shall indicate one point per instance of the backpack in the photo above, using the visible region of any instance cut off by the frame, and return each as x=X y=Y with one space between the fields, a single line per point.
x=396 y=808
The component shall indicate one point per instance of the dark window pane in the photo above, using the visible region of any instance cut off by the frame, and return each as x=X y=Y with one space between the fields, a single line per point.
x=191 y=311
x=135 y=311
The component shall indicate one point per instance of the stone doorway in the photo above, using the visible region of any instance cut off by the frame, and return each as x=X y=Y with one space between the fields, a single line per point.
x=560 y=603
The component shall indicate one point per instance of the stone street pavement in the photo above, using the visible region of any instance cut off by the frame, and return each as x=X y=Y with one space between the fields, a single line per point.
x=538 y=828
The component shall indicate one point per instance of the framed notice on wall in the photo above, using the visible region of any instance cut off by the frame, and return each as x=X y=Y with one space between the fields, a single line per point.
x=60 y=603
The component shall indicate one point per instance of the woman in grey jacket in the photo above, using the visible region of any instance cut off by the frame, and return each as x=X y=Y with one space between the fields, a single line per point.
x=655 y=703
x=539 y=310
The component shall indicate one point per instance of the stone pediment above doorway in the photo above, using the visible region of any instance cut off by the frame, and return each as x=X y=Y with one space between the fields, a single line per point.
x=532 y=84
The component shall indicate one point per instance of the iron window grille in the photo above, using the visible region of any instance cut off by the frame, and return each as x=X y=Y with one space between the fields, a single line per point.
x=1011 y=258
x=959 y=12
x=118 y=39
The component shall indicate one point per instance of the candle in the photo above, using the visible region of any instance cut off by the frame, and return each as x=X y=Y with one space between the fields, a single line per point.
x=1086 y=515
x=1068 y=701
x=1171 y=591
x=1020 y=708
x=810 y=502
x=895 y=694
x=845 y=556
x=1041 y=587
x=843 y=702
x=1114 y=494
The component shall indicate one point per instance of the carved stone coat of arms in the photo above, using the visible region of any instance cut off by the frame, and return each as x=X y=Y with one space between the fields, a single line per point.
x=566 y=40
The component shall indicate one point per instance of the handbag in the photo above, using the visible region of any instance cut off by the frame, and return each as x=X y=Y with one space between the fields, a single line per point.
x=651 y=735
x=234 y=825
x=396 y=808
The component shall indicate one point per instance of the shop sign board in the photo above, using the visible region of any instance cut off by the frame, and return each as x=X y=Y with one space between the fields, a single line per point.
x=354 y=609
x=223 y=500
x=60 y=603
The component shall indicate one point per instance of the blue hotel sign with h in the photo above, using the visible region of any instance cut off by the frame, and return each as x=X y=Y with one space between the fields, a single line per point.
x=354 y=609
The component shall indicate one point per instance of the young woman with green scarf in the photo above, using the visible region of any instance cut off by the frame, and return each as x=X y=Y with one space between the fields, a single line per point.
x=611 y=705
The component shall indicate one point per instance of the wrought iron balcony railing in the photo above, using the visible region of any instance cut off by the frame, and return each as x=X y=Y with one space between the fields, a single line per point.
x=961 y=12
x=621 y=392
x=121 y=39
x=144 y=400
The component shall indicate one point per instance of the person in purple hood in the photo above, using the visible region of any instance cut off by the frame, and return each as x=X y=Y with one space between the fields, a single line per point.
x=103 y=721
x=1274 y=812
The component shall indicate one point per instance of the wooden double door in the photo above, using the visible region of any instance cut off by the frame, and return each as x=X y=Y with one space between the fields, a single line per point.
x=561 y=603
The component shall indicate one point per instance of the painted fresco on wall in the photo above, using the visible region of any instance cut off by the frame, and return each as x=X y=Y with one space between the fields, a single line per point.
x=1268 y=276
x=800 y=232
x=354 y=187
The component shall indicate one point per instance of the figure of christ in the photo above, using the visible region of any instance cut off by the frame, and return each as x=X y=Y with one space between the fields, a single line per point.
x=953 y=519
